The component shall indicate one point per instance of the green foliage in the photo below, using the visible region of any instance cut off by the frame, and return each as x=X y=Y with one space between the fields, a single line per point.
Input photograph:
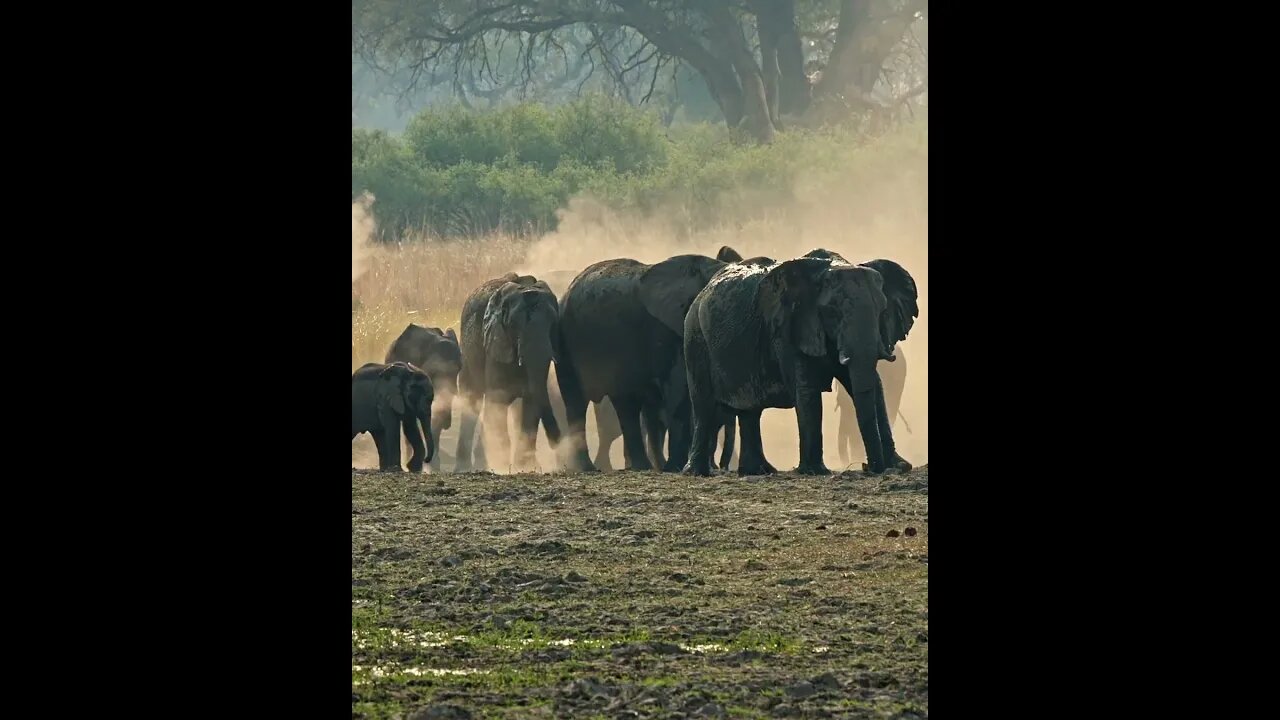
x=460 y=172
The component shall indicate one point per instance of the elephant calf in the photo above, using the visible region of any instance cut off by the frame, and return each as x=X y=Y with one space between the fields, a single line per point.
x=386 y=397
x=438 y=354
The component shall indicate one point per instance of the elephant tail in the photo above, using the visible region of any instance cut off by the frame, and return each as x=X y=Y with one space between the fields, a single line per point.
x=904 y=420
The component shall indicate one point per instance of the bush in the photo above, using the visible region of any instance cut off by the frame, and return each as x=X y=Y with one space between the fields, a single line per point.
x=460 y=172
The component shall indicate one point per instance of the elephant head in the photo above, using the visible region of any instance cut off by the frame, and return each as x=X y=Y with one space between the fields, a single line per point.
x=438 y=354
x=404 y=391
x=853 y=316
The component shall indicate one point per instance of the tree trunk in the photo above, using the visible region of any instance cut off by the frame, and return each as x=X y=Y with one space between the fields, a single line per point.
x=776 y=25
x=754 y=105
x=863 y=42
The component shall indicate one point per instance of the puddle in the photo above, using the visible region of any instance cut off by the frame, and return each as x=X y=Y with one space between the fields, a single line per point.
x=399 y=637
x=710 y=647
x=428 y=639
x=381 y=671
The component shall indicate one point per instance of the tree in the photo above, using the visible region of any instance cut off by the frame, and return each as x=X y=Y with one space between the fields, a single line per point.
x=750 y=56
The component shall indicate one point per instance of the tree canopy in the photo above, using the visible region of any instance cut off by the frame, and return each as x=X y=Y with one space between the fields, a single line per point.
x=761 y=61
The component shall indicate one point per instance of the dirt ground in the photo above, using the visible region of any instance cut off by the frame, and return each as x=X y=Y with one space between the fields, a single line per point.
x=642 y=595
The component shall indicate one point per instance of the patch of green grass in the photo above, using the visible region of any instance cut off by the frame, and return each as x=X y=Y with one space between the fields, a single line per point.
x=765 y=642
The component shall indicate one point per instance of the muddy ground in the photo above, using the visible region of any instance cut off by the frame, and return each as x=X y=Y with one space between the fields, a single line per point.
x=642 y=595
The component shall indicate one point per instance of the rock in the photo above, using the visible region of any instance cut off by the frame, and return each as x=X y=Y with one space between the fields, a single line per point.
x=827 y=681
x=442 y=712
x=802 y=690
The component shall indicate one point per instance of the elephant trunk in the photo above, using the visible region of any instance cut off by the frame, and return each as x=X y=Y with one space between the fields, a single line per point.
x=431 y=439
x=865 y=384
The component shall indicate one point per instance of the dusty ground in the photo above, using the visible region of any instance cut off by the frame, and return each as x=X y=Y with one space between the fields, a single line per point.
x=639 y=595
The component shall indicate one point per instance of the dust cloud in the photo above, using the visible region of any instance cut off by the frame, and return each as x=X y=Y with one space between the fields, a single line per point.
x=362 y=229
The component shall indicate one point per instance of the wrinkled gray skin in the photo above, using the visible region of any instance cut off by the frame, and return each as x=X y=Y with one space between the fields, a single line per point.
x=893 y=375
x=620 y=325
x=386 y=398
x=439 y=355
x=655 y=419
x=509 y=340
x=764 y=334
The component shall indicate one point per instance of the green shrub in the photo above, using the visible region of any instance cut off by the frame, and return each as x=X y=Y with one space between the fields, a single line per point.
x=461 y=172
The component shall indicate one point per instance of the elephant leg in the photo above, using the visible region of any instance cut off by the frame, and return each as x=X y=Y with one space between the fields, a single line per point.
x=730 y=430
x=704 y=433
x=496 y=411
x=525 y=459
x=680 y=438
x=891 y=457
x=809 y=418
x=551 y=426
x=411 y=432
x=655 y=433
x=377 y=443
x=628 y=409
x=607 y=430
x=575 y=410
x=752 y=461
x=470 y=407
x=389 y=449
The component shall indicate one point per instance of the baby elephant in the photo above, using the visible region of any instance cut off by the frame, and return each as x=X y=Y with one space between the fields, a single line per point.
x=385 y=397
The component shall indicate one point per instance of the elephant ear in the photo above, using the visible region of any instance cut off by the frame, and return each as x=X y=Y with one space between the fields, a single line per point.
x=498 y=342
x=901 y=309
x=391 y=386
x=668 y=288
x=728 y=255
x=788 y=298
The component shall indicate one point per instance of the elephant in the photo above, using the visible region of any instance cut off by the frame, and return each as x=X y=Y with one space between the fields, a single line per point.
x=894 y=377
x=763 y=334
x=438 y=354
x=510 y=337
x=620 y=331
x=385 y=397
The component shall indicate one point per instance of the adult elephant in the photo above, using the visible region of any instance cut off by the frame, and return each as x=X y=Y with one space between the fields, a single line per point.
x=509 y=339
x=386 y=398
x=439 y=355
x=620 y=325
x=764 y=334
x=893 y=375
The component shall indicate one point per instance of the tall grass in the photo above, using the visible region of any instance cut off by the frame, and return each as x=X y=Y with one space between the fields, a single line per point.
x=423 y=282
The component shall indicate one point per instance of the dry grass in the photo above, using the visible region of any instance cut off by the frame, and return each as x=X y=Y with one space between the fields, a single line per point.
x=424 y=282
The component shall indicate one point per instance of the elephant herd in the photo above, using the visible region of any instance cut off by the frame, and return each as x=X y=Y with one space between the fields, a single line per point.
x=670 y=354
